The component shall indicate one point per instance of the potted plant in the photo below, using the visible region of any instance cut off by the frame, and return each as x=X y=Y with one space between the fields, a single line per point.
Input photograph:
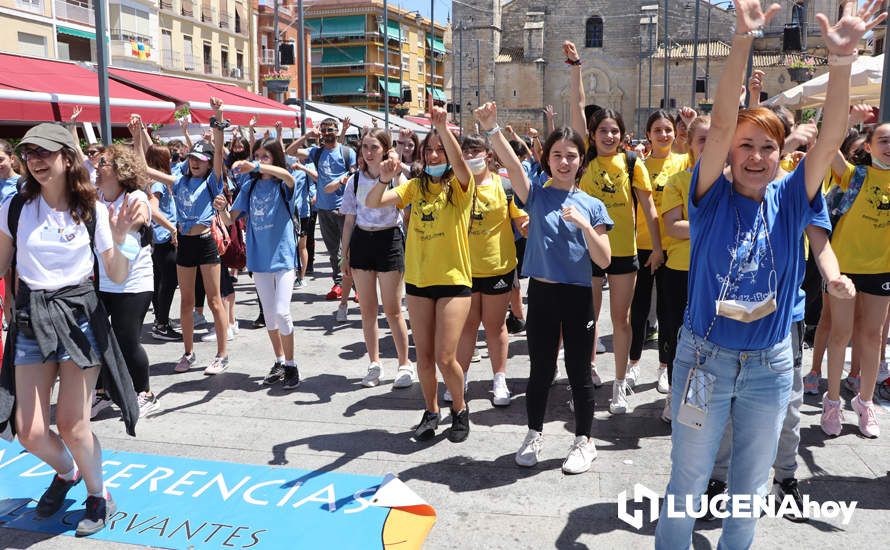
x=800 y=69
x=277 y=81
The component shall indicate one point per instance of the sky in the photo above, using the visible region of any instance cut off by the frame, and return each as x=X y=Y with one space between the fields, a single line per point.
x=443 y=7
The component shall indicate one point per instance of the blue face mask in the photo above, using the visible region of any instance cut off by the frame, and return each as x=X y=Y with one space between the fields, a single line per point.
x=435 y=170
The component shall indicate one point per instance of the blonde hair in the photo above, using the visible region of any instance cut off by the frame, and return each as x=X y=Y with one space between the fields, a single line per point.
x=129 y=169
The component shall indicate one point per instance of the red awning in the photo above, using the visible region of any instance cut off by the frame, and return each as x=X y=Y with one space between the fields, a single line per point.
x=239 y=104
x=424 y=121
x=42 y=90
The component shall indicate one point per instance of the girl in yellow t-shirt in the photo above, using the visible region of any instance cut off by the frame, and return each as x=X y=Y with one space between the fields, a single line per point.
x=493 y=261
x=661 y=164
x=606 y=178
x=860 y=240
x=437 y=266
x=675 y=215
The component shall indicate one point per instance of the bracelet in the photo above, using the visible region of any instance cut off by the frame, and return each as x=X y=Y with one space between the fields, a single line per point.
x=256 y=167
x=574 y=63
x=842 y=60
x=384 y=182
x=753 y=33
x=493 y=131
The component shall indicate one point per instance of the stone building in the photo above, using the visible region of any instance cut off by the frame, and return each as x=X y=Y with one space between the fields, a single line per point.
x=520 y=63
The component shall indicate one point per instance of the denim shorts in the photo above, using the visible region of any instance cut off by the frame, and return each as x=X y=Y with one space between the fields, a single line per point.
x=27 y=352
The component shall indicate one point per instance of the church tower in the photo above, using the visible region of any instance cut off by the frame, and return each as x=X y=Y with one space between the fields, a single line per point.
x=475 y=44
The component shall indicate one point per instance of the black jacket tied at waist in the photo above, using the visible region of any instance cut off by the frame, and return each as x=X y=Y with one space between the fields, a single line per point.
x=52 y=317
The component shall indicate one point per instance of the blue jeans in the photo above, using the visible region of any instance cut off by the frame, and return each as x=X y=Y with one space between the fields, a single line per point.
x=751 y=390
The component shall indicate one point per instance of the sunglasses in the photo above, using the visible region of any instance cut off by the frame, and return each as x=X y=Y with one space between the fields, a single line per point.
x=328 y=130
x=35 y=152
x=93 y=152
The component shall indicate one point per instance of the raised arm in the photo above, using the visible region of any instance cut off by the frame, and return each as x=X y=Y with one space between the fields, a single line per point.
x=841 y=40
x=750 y=18
x=487 y=115
x=72 y=127
x=576 y=87
x=551 y=119
x=344 y=126
x=219 y=167
x=380 y=194
x=452 y=148
x=184 y=126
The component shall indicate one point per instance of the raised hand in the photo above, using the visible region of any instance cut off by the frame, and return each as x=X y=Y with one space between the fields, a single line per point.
x=532 y=133
x=549 y=112
x=278 y=125
x=755 y=83
x=345 y=122
x=183 y=123
x=487 y=115
x=509 y=129
x=405 y=133
x=123 y=220
x=75 y=113
x=207 y=136
x=860 y=113
x=803 y=134
x=843 y=37
x=438 y=116
x=216 y=104
x=389 y=169
x=135 y=125
x=252 y=122
x=749 y=15
x=687 y=115
x=571 y=52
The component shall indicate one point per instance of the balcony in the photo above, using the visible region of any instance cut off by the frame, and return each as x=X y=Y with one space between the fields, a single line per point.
x=166 y=4
x=208 y=14
x=76 y=10
x=175 y=61
x=224 y=21
x=331 y=69
x=267 y=57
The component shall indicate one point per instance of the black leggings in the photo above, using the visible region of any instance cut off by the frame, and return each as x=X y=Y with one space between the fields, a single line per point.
x=164 y=259
x=127 y=312
x=555 y=308
x=675 y=296
x=639 y=308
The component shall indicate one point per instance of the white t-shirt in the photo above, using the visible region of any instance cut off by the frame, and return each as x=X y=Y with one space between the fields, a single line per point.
x=53 y=252
x=141 y=275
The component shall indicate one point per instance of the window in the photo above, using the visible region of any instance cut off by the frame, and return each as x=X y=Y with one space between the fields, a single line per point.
x=30 y=5
x=420 y=66
x=224 y=61
x=406 y=62
x=593 y=37
x=32 y=44
x=167 y=48
x=134 y=23
x=419 y=98
x=239 y=62
x=208 y=58
x=188 y=50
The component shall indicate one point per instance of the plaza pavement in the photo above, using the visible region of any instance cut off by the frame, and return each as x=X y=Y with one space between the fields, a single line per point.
x=483 y=500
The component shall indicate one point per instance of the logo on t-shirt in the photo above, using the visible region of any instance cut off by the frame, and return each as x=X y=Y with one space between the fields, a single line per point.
x=606 y=184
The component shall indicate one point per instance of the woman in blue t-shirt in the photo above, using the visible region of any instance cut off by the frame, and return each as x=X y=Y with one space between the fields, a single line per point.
x=163 y=254
x=193 y=193
x=8 y=178
x=734 y=358
x=567 y=229
x=266 y=201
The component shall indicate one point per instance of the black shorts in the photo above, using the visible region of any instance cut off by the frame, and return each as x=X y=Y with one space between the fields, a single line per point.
x=499 y=284
x=379 y=251
x=437 y=291
x=877 y=284
x=520 y=255
x=195 y=250
x=620 y=265
x=304 y=223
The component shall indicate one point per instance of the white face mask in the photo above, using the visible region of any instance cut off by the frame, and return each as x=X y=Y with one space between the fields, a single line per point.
x=477 y=165
x=878 y=164
x=746 y=311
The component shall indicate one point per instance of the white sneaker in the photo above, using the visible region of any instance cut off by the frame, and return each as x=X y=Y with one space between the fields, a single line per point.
x=618 y=405
x=663 y=385
x=406 y=376
x=211 y=335
x=147 y=404
x=476 y=356
x=499 y=389
x=581 y=454
x=530 y=450
x=341 y=314
x=218 y=365
x=595 y=376
x=447 y=396
x=373 y=377
x=632 y=375
x=600 y=347
x=235 y=328
x=666 y=411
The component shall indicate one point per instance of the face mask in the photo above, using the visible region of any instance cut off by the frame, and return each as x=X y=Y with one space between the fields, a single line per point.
x=878 y=164
x=435 y=170
x=745 y=311
x=477 y=166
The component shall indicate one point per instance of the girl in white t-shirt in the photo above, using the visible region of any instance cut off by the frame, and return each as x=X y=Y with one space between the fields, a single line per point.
x=120 y=176
x=57 y=306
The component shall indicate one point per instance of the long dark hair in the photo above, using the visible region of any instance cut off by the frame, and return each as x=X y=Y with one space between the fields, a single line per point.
x=81 y=192
x=654 y=117
x=158 y=157
x=568 y=134
x=595 y=121
x=425 y=178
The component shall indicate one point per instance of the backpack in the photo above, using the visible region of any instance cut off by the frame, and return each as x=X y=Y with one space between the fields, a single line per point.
x=316 y=156
x=838 y=201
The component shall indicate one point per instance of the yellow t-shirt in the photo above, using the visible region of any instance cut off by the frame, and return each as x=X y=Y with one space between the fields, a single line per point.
x=659 y=172
x=492 y=250
x=676 y=193
x=861 y=239
x=437 y=251
x=606 y=179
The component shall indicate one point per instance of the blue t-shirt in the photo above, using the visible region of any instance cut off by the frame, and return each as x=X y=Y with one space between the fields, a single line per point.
x=331 y=166
x=194 y=203
x=167 y=206
x=714 y=229
x=8 y=188
x=179 y=168
x=556 y=249
x=271 y=245
x=301 y=193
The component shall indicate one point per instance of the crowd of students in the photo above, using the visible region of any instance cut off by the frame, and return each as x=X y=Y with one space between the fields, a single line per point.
x=720 y=214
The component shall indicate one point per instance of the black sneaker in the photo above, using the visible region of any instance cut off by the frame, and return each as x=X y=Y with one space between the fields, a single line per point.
x=429 y=422
x=98 y=512
x=259 y=322
x=54 y=496
x=788 y=487
x=276 y=374
x=651 y=333
x=291 y=378
x=166 y=333
x=460 y=425
x=514 y=324
x=715 y=488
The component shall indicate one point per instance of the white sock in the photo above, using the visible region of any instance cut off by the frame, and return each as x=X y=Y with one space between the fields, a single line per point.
x=290 y=363
x=69 y=475
x=279 y=359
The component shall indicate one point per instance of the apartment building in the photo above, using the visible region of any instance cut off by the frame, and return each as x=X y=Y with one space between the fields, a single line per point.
x=351 y=41
x=289 y=35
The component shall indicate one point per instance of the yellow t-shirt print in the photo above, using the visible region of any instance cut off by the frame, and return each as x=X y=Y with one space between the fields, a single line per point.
x=867 y=223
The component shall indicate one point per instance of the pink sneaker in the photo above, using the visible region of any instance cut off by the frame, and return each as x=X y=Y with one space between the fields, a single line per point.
x=832 y=416
x=868 y=421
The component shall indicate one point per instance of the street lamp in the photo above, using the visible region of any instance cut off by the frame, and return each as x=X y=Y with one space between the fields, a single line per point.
x=730 y=7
